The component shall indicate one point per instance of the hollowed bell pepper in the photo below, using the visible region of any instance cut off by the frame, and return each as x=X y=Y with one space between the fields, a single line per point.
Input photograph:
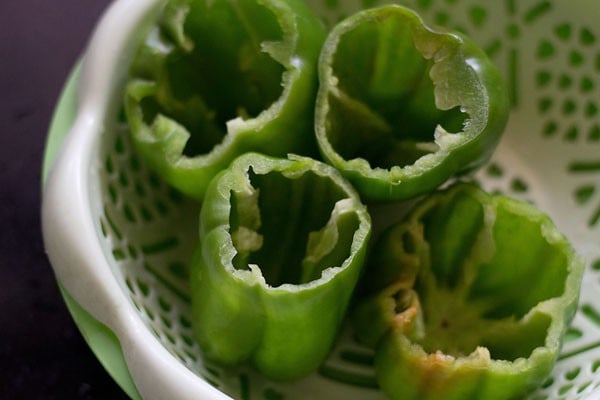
x=402 y=107
x=218 y=78
x=282 y=245
x=470 y=298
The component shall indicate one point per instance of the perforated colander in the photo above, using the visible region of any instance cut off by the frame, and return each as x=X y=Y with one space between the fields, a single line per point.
x=120 y=239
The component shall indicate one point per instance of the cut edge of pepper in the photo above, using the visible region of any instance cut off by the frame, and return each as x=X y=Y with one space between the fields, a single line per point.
x=169 y=146
x=291 y=168
x=477 y=109
x=559 y=310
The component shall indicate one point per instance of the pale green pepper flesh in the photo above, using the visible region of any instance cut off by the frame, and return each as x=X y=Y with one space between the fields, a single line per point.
x=471 y=297
x=282 y=245
x=216 y=79
x=402 y=107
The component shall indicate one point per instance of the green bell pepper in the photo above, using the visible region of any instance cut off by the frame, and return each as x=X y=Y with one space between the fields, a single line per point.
x=469 y=297
x=283 y=242
x=218 y=78
x=402 y=107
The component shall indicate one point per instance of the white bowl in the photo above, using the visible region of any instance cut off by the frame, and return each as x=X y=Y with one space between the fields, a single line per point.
x=119 y=239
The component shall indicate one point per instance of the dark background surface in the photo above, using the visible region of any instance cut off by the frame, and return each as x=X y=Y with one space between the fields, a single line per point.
x=42 y=354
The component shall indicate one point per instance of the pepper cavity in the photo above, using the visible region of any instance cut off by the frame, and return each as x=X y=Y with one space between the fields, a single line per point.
x=483 y=307
x=282 y=247
x=217 y=79
x=403 y=107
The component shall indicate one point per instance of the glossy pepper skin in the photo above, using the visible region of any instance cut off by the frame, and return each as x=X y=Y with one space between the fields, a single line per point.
x=283 y=243
x=470 y=298
x=402 y=107
x=217 y=78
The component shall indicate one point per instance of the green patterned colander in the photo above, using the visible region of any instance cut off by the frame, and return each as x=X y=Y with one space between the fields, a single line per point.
x=120 y=239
